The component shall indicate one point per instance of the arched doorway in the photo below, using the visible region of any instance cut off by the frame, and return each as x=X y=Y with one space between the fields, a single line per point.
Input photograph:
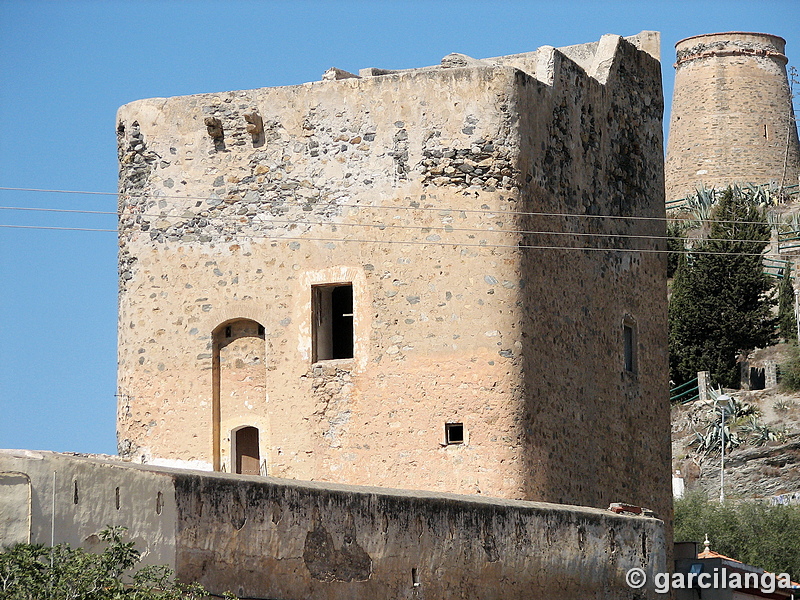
x=239 y=392
x=245 y=451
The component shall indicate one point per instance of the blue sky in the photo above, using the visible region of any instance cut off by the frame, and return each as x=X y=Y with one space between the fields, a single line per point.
x=65 y=68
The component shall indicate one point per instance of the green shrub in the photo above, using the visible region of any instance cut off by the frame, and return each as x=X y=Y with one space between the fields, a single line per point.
x=753 y=532
x=790 y=371
x=36 y=572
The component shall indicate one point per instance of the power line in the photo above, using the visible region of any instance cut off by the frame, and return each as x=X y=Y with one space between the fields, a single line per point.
x=239 y=236
x=61 y=210
x=57 y=228
x=356 y=205
x=18 y=189
x=384 y=207
x=382 y=226
x=395 y=226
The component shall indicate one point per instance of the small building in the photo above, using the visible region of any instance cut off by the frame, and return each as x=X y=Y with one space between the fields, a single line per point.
x=710 y=575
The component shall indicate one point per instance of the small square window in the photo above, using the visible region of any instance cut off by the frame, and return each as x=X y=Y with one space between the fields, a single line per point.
x=454 y=433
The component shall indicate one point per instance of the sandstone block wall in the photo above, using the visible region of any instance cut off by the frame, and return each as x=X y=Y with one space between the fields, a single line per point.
x=271 y=538
x=431 y=192
x=732 y=119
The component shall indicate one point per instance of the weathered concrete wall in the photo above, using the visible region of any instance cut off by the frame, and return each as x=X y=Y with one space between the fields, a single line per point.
x=73 y=499
x=412 y=187
x=270 y=538
x=731 y=114
x=15 y=508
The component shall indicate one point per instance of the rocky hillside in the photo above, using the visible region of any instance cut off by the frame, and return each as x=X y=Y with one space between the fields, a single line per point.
x=766 y=461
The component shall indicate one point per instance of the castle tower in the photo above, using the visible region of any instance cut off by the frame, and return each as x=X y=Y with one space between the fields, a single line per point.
x=381 y=279
x=731 y=114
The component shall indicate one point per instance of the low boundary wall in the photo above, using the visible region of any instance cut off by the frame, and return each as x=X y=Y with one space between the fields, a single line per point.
x=266 y=538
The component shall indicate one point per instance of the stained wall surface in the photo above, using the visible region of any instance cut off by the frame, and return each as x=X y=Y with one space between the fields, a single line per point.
x=15 y=508
x=732 y=119
x=269 y=538
x=431 y=193
x=71 y=500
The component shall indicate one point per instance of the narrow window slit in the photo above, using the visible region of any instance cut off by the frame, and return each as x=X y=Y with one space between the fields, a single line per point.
x=629 y=346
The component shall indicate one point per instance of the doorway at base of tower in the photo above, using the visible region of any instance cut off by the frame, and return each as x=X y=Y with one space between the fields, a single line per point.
x=245 y=451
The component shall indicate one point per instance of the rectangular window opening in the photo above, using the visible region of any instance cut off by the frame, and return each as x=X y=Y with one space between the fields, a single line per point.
x=454 y=433
x=629 y=351
x=414 y=577
x=332 y=308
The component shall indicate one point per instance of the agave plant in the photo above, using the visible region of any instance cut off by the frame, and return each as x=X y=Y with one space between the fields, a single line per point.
x=758 y=195
x=782 y=405
x=709 y=442
x=788 y=229
x=700 y=204
x=736 y=408
x=759 y=433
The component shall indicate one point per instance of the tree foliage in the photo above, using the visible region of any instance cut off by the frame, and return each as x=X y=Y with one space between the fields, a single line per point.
x=753 y=532
x=721 y=303
x=790 y=371
x=36 y=572
x=675 y=232
x=787 y=325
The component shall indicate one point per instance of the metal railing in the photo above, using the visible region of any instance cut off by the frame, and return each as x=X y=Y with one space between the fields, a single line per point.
x=775 y=267
x=685 y=393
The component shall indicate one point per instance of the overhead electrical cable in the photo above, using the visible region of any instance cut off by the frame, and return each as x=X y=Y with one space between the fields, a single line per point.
x=57 y=228
x=381 y=226
x=276 y=238
x=385 y=207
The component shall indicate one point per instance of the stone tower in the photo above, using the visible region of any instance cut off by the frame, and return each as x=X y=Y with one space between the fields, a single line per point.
x=732 y=118
x=418 y=279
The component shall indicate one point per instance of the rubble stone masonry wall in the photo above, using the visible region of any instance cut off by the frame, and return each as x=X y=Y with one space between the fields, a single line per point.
x=429 y=192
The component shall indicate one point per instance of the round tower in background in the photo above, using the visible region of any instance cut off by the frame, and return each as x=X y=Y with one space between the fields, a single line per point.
x=732 y=118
